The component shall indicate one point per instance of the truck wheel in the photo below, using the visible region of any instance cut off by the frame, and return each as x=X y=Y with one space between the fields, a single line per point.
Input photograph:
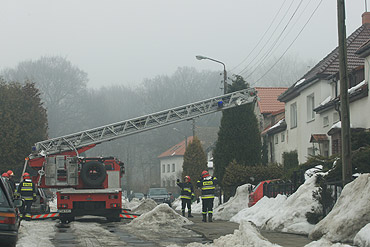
x=93 y=173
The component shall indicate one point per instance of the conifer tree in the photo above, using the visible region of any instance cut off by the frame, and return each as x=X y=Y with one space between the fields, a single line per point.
x=238 y=138
x=23 y=122
x=195 y=161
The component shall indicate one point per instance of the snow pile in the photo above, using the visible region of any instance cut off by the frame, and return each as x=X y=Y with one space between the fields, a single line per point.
x=134 y=203
x=144 y=206
x=247 y=235
x=281 y=213
x=349 y=215
x=325 y=243
x=160 y=216
x=261 y=212
x=234 y=204
x=362 y=238
x=176 y=204
x=36 y=233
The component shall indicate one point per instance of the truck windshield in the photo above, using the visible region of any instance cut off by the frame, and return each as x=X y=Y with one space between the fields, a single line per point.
x=158 y=191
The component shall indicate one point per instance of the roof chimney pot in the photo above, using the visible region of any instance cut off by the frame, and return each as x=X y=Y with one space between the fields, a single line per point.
x=365 y=18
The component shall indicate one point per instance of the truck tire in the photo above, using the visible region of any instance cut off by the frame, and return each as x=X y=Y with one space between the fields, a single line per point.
x=93 y=174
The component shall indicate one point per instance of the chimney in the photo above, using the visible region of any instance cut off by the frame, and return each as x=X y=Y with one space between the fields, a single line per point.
x=365 y=18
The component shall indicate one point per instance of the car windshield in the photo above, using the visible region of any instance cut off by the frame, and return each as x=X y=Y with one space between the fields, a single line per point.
x=139 y=195
x=159 y=191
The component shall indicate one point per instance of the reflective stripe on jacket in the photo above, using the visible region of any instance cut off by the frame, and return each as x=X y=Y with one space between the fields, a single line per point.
x=208 y=186
x=187 y=190
x=27 y=190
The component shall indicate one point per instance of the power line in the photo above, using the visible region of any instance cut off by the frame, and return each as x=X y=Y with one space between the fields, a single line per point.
x=286 y=13
x=280 y=42
x=276 y=41
x=259 y=41
x=290 y=43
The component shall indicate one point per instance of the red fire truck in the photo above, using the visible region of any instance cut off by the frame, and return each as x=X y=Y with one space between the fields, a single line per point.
x=92 y=186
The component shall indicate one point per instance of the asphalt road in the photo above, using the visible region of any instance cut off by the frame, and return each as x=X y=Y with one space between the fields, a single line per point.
x=218 y=228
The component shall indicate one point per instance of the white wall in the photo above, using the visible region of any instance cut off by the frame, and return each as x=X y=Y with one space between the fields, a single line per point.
x=171 y=175
x=298 y=138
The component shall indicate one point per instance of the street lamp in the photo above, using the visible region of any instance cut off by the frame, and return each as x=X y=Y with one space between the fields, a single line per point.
x=214 y=60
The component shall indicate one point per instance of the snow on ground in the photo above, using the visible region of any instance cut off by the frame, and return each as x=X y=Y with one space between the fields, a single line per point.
x=145 y=206
x=247 y=235
x=234 y=205
x=349 y=215
x=362 y=238
x=281 y=213
x=36 y=233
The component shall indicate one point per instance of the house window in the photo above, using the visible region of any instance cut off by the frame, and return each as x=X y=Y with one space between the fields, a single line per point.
x=310 y=107
x=276 y=139
x=282 y=137
x=163 y=168
x=168 y=167
x=173 y=168
x=335 y=117
x=293 y=115
x=325 y=121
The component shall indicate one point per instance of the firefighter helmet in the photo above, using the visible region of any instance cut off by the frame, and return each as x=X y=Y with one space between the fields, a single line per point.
x=188 y=178
x=26 y=175
x=10 y=173
x=5 y=175
x=205 y=174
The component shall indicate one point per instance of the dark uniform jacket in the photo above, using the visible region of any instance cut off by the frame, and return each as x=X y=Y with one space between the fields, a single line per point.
x=187 y=190
x=27 y=190
x=208 y=186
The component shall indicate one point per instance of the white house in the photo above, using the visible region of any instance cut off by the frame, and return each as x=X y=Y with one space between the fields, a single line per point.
x=311 y=104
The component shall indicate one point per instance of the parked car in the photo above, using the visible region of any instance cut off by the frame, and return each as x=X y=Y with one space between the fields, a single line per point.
x=41 y=205
x=257 y=192
x=136 y=195
x=9 y=215
x=159 y=195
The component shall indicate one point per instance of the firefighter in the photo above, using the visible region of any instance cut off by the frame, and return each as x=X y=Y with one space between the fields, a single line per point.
x=11 y=180
x=27 y=190
x=207 y=184
x=187 y=195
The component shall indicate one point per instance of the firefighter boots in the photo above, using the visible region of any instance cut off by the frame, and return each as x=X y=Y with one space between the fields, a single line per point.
x=189 y=215
x=204 y=218
x=183 y=213
x=209 y=217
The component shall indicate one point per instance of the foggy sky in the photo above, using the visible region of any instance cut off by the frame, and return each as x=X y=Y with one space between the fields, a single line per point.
x=123 y=42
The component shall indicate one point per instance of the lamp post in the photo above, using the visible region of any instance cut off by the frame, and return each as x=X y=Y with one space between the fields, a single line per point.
x=214 y=60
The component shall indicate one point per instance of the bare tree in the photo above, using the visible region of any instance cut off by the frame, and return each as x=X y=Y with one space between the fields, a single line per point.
x=62 y=86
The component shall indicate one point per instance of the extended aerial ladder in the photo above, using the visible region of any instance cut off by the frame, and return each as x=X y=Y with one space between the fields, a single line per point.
x=84 y=140
x=93 y=185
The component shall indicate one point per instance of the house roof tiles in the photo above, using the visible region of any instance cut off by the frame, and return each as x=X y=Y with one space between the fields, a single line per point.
x=267 y=101
x=329 y=66
x=176 y=150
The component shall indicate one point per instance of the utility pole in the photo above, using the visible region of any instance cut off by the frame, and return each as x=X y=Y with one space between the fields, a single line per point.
x=344 y=101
